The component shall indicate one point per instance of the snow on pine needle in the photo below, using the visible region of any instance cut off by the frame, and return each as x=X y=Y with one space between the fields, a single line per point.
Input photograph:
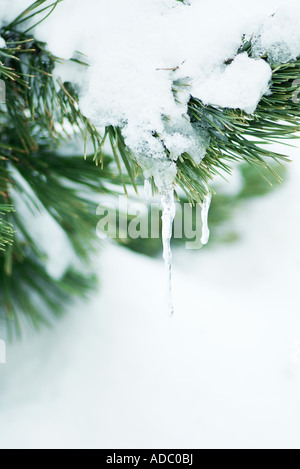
x=179 y=89
x=147 y=58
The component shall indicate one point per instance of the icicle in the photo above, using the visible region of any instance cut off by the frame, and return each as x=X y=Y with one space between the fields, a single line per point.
x=147 y=189
x=169 y=211
x=205 y=212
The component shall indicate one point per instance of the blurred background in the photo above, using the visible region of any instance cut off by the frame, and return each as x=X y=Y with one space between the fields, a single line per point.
x=224 y=372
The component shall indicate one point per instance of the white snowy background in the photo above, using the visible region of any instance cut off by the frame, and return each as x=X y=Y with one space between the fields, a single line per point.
x=117 y=371
x=224 y=372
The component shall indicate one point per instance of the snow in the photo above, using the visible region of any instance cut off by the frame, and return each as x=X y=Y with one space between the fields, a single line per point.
x=231 y=86
x=279 y=36
x=10 y=9
x=224 y=372
x=2 y=43
x=138 y=49
x=146 y=58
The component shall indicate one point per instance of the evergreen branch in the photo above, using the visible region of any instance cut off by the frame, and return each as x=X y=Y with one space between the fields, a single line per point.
x=33 y=125
x=232 y=134
x=42 y=111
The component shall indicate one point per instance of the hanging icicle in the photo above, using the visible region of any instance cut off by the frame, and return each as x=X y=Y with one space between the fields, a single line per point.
x=205 y=211
x=168 y=216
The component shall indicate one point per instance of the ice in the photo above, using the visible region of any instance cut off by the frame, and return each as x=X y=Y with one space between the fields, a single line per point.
x=169 y=212
x=183 y=138
x=178 y=143
x=147 y=189
x=205 y=212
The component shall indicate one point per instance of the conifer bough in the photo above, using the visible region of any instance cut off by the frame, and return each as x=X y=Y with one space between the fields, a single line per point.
x=42 y=111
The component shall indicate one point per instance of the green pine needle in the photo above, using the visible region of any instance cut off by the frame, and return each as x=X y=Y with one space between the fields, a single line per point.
x=41 y=112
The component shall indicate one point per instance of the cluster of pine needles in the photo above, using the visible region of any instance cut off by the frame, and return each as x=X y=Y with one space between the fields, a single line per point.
x=41 y=113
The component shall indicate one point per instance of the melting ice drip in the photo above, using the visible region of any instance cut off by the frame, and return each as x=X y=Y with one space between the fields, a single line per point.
x=169 y=211
x=205 y=212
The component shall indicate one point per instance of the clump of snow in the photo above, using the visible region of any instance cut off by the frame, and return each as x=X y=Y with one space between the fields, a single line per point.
x=279 y=36
x=231 y=87
x=178 y=143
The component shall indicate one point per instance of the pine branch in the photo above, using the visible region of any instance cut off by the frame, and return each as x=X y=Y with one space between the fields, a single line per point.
x=41 y=112
x=233 y=135
x=34 y=120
